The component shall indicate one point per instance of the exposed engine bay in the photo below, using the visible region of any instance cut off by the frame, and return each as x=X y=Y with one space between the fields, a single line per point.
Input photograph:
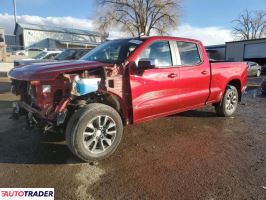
x=48 y=104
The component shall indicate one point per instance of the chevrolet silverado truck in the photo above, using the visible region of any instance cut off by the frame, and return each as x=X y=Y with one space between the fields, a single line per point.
x=122 y=82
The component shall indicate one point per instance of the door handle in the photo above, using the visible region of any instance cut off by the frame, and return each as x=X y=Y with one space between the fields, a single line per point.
x=204 y=72
x=172 y=75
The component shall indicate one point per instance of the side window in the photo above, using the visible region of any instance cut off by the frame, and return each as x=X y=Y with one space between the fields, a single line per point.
x=160 y=52
x=189 y=53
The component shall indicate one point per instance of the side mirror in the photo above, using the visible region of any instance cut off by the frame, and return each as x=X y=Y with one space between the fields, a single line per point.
x=146 y=63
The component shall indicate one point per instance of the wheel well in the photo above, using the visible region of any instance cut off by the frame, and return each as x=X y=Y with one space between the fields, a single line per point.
x=109 y=100
x=236 y=83
x=103 y=98
x=113 y=102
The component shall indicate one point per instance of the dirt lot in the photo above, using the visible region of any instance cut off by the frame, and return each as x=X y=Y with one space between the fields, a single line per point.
x=193 y=155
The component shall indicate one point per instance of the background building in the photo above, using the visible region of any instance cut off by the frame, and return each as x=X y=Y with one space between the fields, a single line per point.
x=248 y=50
x=216 y=52
x=51 y=38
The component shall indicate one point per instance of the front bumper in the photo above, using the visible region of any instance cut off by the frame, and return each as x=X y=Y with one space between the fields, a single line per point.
x=22 y=105
x=55 y=118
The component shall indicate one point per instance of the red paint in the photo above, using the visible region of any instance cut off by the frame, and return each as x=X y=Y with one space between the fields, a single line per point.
x=157 y=92
x=50 y=71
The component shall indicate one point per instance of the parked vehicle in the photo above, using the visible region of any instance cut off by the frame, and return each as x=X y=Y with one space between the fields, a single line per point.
x=43 y=57
x=263 y=69
x=121 y=82
x=30 y=52
x=263 y=86
x=72 y=54
x=254 y=69
x=67 y=54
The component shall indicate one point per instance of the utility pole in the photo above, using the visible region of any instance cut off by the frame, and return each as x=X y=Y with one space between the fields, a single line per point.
x=15 y=11
x=15 y=18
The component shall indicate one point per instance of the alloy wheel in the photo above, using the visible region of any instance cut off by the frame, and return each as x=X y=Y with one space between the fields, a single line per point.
x=99 y=134
x=231 y=101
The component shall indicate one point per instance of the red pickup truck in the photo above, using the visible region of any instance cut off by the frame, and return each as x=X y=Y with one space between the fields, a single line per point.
x=121 y=82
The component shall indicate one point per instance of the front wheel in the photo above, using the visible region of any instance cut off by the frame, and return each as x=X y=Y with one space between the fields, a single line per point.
x=94 y=132
x=228 y=104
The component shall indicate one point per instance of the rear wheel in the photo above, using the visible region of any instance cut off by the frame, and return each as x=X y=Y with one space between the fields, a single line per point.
x=94 y=132
x=228 y=104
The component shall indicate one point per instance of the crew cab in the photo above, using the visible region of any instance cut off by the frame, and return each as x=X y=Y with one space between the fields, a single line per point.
x=122 y=82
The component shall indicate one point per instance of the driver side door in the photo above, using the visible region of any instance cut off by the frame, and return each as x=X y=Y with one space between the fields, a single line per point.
x=153 y=91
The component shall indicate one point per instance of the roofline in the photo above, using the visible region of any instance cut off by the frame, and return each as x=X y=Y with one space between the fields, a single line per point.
x=157 y=36
x=171 y=37
x=246 y=40
x=58 y=40
x=92 y=32
x=78 y=43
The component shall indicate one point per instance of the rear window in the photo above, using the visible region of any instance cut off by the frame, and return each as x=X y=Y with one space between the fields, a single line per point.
x=189 y=53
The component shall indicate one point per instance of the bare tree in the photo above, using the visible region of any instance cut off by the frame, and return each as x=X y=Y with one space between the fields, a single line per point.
x=250 y=25
x=140 y=16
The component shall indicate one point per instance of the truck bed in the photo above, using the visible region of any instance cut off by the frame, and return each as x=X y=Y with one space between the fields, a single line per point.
x=222 y=73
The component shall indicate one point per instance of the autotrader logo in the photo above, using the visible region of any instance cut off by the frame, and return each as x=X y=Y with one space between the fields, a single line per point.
x=27 y=193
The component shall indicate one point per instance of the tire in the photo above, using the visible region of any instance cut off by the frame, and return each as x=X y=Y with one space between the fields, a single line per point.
x=91 y=140
x=258 y=73
x=228 y=104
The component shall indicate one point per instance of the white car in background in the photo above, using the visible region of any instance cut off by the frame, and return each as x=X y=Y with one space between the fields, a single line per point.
x=44 y=55
x=67 y=54
x=30 y=52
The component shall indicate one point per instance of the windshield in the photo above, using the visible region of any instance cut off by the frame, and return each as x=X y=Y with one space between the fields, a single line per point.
x=40 y=55
x=115 y=51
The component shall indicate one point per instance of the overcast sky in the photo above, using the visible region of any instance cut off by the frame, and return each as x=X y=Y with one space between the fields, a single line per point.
x=206 y=20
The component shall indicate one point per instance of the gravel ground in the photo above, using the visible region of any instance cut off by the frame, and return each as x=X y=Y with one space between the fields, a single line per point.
x=192 y=155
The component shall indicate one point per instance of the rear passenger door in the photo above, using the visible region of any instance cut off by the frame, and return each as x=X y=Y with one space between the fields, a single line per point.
x=194 y=75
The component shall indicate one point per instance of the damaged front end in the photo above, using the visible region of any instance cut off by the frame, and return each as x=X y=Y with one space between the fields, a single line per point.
x=43 y=102
x=49 y=104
